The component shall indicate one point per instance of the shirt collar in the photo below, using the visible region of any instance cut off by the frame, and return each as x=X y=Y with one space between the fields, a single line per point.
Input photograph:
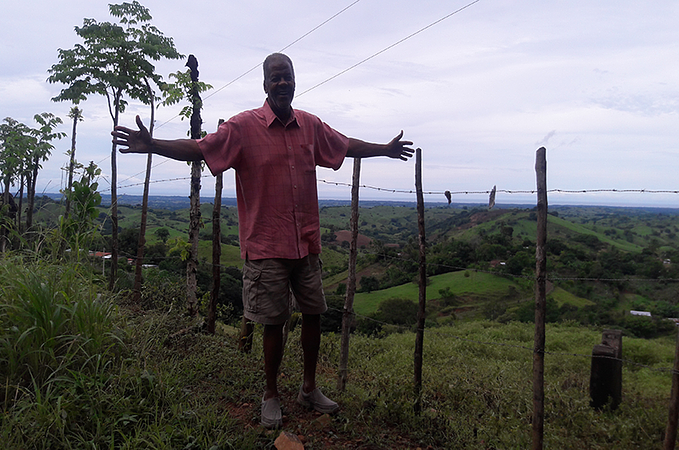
x=270 y=117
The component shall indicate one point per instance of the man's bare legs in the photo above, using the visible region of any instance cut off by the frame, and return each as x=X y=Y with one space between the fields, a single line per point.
x=273 y=353
x=311 y=342
x=272 y=342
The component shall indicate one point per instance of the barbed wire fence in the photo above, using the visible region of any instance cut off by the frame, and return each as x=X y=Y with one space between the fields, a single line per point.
x=541 y=352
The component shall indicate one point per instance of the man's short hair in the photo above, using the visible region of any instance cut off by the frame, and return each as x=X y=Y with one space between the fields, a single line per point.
x=274 y=56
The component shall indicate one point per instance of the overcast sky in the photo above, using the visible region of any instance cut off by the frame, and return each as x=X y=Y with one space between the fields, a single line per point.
x=595 y=82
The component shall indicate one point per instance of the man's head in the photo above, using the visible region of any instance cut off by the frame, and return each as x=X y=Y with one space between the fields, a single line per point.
x=279 y=84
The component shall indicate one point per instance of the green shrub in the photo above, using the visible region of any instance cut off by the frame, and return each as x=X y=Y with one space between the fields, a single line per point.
x=162 y=289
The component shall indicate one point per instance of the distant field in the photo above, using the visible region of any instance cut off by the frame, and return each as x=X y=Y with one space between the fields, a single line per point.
x=623 y=245
x=476 y=284
x=564 y=297
x=230 y=255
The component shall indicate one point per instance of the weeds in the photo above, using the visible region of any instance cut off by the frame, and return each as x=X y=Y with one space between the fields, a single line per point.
x=73 y=379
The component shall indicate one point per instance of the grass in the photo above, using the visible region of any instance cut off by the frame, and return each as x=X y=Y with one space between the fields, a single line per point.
x=564 y=297
x=84 y=370
x=52 y=319
x=577 y=228
x=230 y=255
x=462 y=283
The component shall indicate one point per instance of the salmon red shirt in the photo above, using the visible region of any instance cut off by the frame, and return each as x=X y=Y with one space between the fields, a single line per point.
x=275 y=166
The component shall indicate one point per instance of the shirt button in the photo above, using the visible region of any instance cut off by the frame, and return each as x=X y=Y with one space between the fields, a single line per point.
x=293 y=167
x=295 y=186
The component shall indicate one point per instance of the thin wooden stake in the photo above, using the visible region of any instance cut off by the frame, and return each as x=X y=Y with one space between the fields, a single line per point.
x=540 y=302
x=216 y=250
x=421 y=313
x=671 y=430
x=348 y=313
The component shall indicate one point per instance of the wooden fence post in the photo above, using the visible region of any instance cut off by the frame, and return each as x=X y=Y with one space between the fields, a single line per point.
x=194 y=214
x=348 y=313
x=216 y=250
x=421 y=313
x=671 y=430
x=246 y=330
x=540 y=302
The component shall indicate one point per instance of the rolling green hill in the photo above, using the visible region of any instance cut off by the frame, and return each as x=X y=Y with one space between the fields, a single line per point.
x=475 y=287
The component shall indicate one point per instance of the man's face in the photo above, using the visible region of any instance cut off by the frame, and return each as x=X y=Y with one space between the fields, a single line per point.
x=279 y=85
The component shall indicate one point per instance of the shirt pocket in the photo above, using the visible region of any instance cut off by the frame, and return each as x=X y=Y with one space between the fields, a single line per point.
x=307 y=159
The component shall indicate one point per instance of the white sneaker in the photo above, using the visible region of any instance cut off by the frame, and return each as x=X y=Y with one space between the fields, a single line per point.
x=271 y=413
x=316 y=400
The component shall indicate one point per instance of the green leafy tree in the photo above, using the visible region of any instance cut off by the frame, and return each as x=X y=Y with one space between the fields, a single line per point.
x=15 y=141
x=369 y=284
x=398 y=311
x=114 y=60
x=44 y=135
x=78 y=228
x=180 y=90
x=162 y=234
x=76 y=114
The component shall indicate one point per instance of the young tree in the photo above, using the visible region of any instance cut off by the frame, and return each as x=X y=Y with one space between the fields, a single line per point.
x=44 y=135
x=77 y=115
x=78 y=228
x=141 y=243
x=113 y=61
x=15 y=140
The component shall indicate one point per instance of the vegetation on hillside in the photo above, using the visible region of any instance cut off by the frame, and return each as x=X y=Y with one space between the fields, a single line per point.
x=83 y=367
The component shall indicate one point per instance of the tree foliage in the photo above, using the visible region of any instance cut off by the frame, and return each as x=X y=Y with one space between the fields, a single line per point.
x=114 y=58
x=180 y=90
x=78 y=229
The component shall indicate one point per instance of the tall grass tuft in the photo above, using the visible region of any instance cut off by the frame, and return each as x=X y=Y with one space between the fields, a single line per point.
x=52 y=320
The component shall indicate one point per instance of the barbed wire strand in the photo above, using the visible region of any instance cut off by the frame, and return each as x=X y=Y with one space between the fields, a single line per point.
x=244 y=74
x=504 y=191
x=389 y=47
x=469 y=192
x=260 y=64
x=327 y=79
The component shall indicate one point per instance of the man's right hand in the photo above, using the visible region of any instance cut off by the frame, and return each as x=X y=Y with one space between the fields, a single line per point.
x=140 y=141
x=131 y=141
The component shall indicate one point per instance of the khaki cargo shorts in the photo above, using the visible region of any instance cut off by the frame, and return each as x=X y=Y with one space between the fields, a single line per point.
x=271 y=286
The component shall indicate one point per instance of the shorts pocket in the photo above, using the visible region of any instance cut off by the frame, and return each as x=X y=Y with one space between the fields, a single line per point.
x=252 y=287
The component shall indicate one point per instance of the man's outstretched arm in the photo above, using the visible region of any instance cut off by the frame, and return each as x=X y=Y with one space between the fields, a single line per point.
x=396 y=148
x=140 y=141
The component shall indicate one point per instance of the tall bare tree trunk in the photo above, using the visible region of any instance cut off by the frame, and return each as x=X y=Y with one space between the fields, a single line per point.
x=194 y=219
x=136 y=290
x=4 y=232
x=114 y=199
x=31 y=193
x=76 y=114
x=21 y=202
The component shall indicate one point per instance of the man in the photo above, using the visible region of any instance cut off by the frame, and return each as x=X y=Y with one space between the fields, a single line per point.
x=274 y=151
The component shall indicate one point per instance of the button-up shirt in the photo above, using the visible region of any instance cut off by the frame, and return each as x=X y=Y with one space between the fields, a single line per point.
x=275 y=167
